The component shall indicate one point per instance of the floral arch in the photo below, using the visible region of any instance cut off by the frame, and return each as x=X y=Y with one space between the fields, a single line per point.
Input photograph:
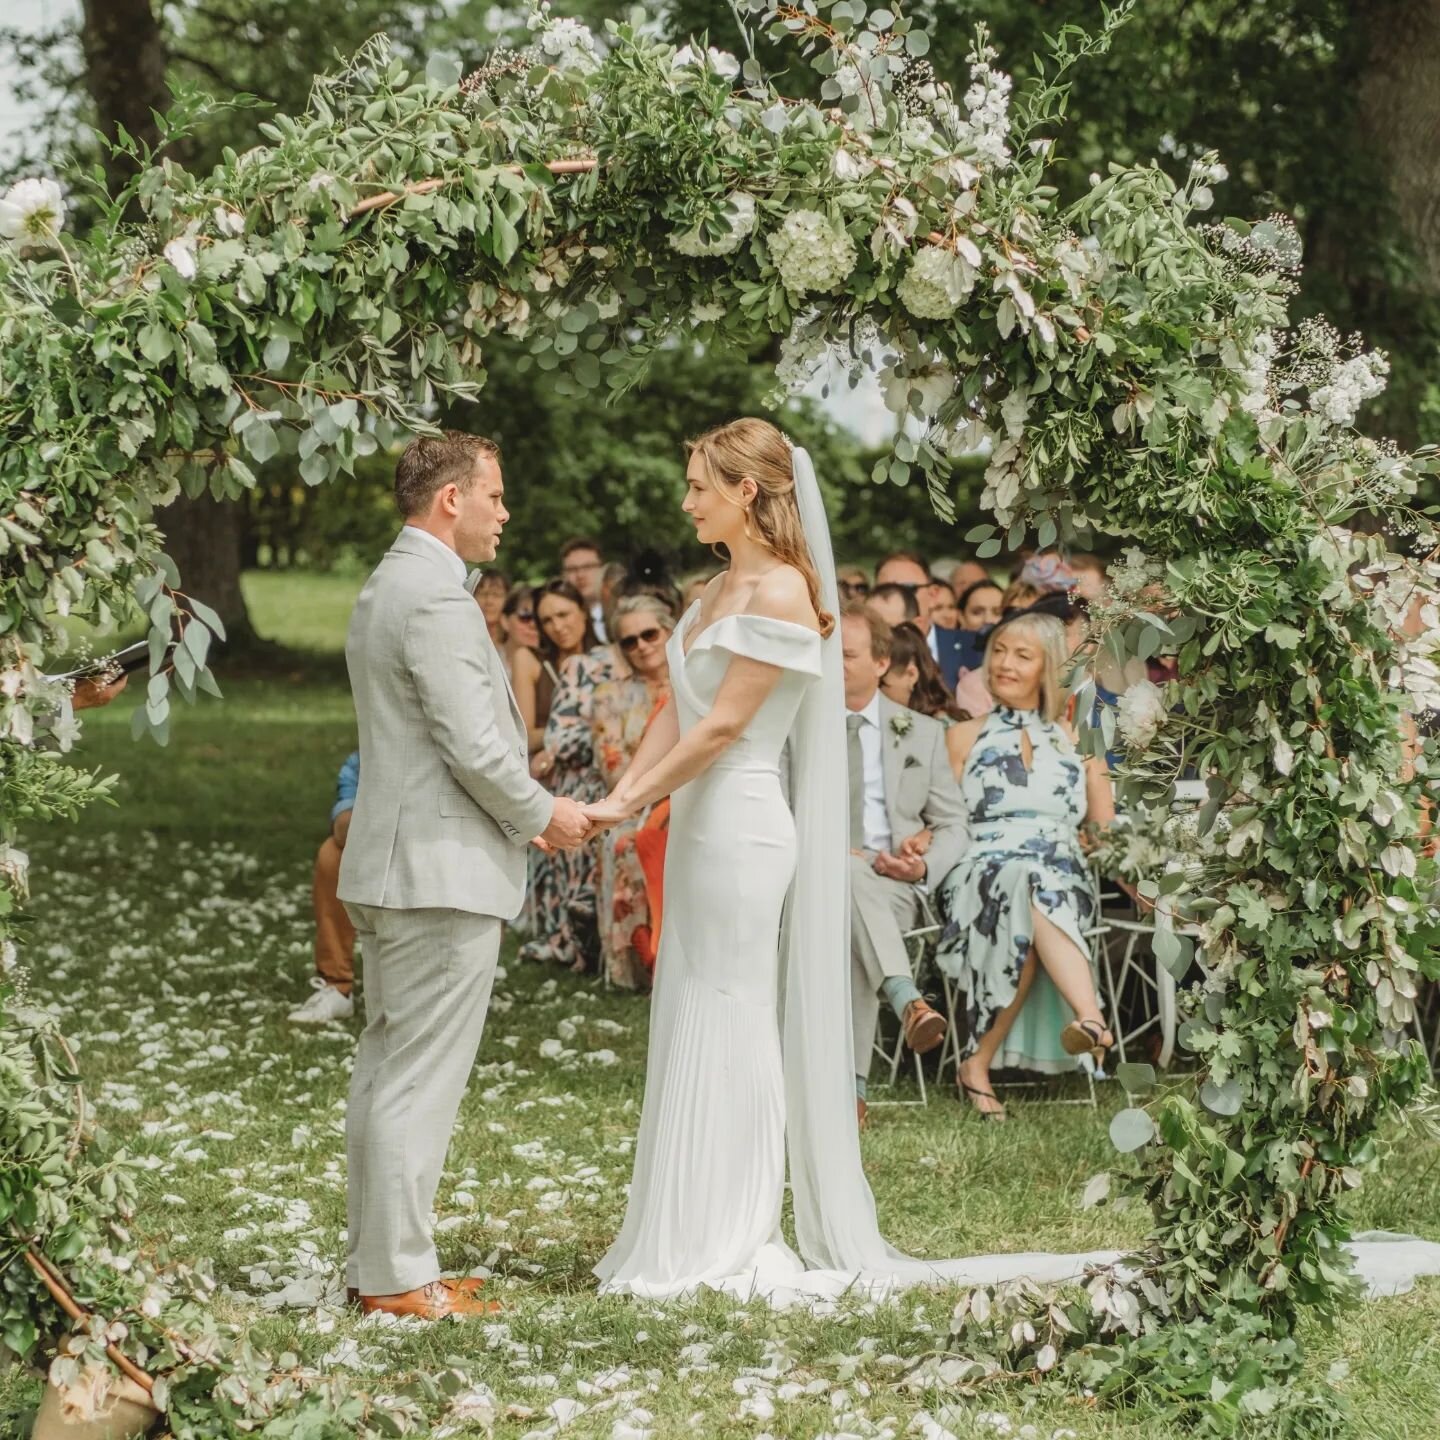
x=1130 y=369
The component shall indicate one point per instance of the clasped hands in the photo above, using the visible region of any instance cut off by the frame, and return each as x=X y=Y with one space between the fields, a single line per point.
x=571 y=825
x=907 y=864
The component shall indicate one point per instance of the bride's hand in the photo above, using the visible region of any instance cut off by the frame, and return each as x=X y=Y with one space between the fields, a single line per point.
x=606 y=814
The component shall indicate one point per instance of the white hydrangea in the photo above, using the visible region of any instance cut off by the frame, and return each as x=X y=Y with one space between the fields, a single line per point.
x=1140 y=713
x=32 y=213
x=569 y=45
x=936 y=282
x=812 y=256
x=705 y=311
x=738 y=212
x=1351 y=383
x=935 y=384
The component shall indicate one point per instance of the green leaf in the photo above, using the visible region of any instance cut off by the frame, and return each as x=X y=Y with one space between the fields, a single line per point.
x=1135 y=1079
x=1221 y=1099
x=1131 y=1129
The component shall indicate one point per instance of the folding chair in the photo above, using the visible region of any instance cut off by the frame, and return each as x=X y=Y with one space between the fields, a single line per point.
x=917 y=947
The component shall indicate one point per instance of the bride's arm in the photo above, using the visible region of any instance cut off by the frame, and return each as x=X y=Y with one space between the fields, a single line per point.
x=782 y=595
x=660 y=738
x=744 y=689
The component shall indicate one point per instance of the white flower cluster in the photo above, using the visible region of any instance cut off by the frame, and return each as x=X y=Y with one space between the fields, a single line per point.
x=932 y=385
x=850 y=81
x=32 y=214
x=1140 y=713
x=722 y=62
x=567 y=44
x=985 y=125
x=811 y=255
x=1253 y=368
x=1203 y=174
x=802 y=352
x=938 y=280
x=1136 y=573
x=738 y=213
x=180 y=252
x=1351 y=383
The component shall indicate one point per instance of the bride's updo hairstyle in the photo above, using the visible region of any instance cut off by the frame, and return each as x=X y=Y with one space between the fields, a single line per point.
x=755 y=448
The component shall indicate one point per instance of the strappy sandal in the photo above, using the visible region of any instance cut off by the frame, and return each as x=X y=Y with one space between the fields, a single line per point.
x=998 y=1116
x=1086 y=1037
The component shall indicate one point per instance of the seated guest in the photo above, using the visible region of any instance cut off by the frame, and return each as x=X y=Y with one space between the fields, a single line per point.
x=518 y=629
x=491 y=591
x=582 y=565
x=334 y=976
x=1019 y=595
x=913 y=680
x=620 y=714
x=944 y=611
x=1090 y=576
x=1017 y=905
x=966 y=574
x=894 y=604
x=963 y=648
x=900 y=786
x=853 y=583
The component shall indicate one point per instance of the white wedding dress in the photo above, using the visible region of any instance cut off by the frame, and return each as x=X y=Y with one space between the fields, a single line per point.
x=750 y=1051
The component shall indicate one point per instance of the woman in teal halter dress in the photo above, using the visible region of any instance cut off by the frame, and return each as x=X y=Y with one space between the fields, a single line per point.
x=1016 y=908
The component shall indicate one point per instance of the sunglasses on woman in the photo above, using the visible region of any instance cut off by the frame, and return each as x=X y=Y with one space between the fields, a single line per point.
x=854 y=587
x=646 y=637
x=527 y=616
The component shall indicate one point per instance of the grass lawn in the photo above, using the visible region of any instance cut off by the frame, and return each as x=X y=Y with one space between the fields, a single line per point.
x=174 y=931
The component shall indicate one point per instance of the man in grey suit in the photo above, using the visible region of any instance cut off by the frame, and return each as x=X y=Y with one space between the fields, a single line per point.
x=434 y=862
x=901 y=785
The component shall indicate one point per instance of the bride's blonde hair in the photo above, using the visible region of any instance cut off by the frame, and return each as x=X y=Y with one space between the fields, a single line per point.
x=755 y=448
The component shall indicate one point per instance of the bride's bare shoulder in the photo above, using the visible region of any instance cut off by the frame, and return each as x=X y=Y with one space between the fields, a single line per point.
x=784 y=594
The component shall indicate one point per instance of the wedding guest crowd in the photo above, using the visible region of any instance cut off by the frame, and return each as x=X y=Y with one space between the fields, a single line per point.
x=968 y=795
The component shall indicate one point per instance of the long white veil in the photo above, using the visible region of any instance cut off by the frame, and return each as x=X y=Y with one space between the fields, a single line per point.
x=835 y=1221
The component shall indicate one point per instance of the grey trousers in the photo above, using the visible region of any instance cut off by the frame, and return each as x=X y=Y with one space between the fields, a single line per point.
x=427 y=980
x=881 y=911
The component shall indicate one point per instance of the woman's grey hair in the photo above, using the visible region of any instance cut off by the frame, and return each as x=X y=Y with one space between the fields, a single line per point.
x=644 y=605
x=1049 y=633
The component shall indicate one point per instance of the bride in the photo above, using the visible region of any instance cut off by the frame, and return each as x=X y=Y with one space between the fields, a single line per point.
x=750 y=1031
x=750 y=1027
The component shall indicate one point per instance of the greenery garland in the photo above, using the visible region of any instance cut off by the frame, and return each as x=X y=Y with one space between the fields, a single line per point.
x=1130 y=371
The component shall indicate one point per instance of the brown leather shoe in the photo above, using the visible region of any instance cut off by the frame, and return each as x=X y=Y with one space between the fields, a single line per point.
x=924 y=1027
x=469 y=1285
x=434 y=1301
x=862 y=1112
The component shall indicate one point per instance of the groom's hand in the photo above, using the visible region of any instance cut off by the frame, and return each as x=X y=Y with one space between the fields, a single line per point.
x=569 y=827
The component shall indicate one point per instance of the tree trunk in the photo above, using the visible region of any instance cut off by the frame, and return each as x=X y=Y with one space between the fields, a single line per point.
x=204 y=539
x=125 y=62
x=125 y=65
x=1400 y=115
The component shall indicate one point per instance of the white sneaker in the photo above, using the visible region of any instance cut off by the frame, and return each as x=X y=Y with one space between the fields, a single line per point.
x=325 y=1005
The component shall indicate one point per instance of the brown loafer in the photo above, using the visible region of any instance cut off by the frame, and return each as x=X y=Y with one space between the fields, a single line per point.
x=924 y=1027
x=469 y=1285
x=432 y=1302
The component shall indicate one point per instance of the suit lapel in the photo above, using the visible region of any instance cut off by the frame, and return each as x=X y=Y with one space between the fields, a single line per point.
x=890 y=764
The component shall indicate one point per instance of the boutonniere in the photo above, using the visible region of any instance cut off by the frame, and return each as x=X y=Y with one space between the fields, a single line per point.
x=900 y=726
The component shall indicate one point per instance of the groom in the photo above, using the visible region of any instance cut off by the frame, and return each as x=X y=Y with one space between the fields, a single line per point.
x=434 y=862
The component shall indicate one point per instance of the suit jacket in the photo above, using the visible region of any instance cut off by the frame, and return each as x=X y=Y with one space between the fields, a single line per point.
x=920 y=788
x=446 y=804
x=957 y=650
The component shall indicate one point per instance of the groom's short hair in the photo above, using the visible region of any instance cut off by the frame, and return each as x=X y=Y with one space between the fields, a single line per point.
x=430 y=462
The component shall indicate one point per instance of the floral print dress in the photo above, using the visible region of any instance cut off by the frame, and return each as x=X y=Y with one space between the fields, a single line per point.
x=620 y=715
x=1024 y=851
x=563 y=884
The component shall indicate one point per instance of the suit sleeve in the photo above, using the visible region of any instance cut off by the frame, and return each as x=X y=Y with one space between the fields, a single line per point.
x=944 y=815
x=444 y=645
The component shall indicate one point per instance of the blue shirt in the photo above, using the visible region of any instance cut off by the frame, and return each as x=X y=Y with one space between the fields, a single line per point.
x=347 y=783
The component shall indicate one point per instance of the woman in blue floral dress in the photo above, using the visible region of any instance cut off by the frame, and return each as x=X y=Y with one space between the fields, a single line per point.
x=1016 y=908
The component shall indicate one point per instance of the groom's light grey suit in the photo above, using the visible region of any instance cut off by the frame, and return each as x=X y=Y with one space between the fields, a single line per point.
x=435 y=860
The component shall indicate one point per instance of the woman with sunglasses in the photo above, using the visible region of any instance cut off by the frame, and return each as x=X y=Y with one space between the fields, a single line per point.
x=632 y=855
x=572 y=663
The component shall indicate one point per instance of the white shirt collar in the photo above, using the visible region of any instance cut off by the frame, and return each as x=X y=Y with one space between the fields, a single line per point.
x=455 y=562
x=871 y=712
